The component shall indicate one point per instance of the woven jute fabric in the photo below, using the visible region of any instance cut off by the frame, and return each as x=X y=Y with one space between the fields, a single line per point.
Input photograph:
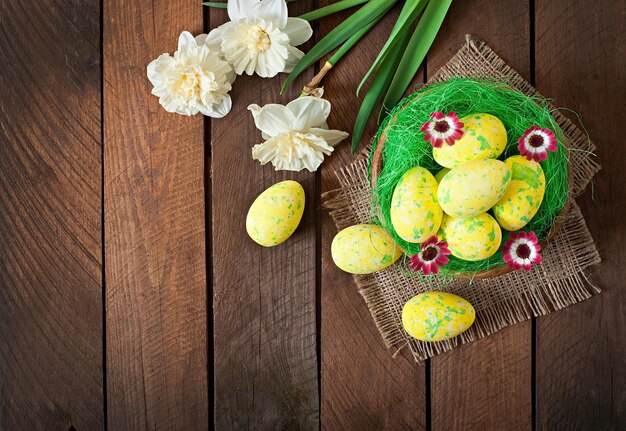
x=558 y=282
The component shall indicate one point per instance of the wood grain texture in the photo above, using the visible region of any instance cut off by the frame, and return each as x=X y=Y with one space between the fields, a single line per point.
x=50 y=216
x=154 y=228
x=363 y=386
x=581 y=351
x=264 y=309
x=486 y=384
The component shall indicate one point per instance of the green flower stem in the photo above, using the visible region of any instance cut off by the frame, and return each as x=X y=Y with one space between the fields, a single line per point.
x=339 y=35
x=334 y=59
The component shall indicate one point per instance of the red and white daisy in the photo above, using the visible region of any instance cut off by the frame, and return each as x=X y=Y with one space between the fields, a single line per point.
x=536 y=142
x=433 y=254
x=442 y=128
x=522 y=250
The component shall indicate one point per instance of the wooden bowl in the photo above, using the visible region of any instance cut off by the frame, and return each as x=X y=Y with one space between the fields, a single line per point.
x=377 y=165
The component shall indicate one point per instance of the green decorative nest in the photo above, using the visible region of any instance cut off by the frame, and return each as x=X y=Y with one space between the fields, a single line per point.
x=399 y=146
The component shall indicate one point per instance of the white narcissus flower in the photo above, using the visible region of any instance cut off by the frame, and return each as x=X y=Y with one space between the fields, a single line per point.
x=297 y=136
x=196 y=79
x=260 y=38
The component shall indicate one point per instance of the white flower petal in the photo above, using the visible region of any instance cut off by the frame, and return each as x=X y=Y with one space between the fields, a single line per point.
x=213 y=40
x=185 y=39
x=274 y=11
x=221 y=109
x=298 y=30
x=308 y=112
x=238 y=9
x=295 y=55
x=193 y=80
x=272 y=119
x=332 y=137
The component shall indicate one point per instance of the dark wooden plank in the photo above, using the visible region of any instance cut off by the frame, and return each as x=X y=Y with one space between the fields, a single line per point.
x=50 y=216
x=154 y=228
x=486 y=384
x=264 y=311
x=581 y=351
x=363 y=386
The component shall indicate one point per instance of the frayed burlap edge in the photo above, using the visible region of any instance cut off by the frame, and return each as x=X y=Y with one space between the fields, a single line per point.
x=558 y=282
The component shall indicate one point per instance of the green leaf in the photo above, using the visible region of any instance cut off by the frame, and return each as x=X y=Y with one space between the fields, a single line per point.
x=331 y=9
x=348 y=44
x=416 y=50
x=380 y=84
x=215 y=4
x=339 y=34
x=409 y=13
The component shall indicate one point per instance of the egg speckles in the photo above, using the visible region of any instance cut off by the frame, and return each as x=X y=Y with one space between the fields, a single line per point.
x=363 y=249
x=484 y=137
x=523 y=197
x=437 y=316
x=473 y=188
x=474 y=238
x=275 y=214
x=415 y=213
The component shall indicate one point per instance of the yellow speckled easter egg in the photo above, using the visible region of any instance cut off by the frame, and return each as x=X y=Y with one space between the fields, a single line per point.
x=437 y=316
x=484 y=137
x=363 y=249
x=442 y=173
x=474 y=238
x=473 y=187
x=524 y=194
x=275 y=214
x=415 y=213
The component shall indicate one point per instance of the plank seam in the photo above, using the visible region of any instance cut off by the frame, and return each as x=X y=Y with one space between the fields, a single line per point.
x=105 y=392
x=208 y=250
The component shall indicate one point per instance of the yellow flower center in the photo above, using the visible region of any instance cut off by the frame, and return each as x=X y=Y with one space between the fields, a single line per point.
x=259 y=40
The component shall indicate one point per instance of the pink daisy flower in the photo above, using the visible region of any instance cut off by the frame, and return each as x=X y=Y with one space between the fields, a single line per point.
x=536 y=142
x=433 y=254
x=442 y=128
x=522 y=250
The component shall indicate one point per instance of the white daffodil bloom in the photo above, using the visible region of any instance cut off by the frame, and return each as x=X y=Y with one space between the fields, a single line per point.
x=196 y=79
x=297 y=135
x=260 y=38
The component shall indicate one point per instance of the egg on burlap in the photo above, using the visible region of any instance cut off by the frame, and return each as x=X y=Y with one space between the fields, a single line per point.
x=484 y=137
x=363 y=249
x=437 y=316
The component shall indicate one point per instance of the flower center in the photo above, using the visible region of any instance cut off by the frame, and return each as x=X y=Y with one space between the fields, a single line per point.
x=536 y=141
x=429 y=254
x=523 y=251
x=190 y=80
x=260 y=40
x=442 y=126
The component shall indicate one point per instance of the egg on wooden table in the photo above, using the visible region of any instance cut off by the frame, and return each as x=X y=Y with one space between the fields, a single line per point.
x=473 y=188
x=474 y=238
x=523 y=197
x=415 y=213
x=275 y=214
x=484 y=137
x=363 y=249
x=437 y=316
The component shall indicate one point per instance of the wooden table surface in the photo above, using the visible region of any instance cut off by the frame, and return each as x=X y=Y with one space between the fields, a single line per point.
x=131 y=297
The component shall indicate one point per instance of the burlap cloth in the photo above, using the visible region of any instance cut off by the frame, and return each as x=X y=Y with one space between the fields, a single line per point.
x=558 y=282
